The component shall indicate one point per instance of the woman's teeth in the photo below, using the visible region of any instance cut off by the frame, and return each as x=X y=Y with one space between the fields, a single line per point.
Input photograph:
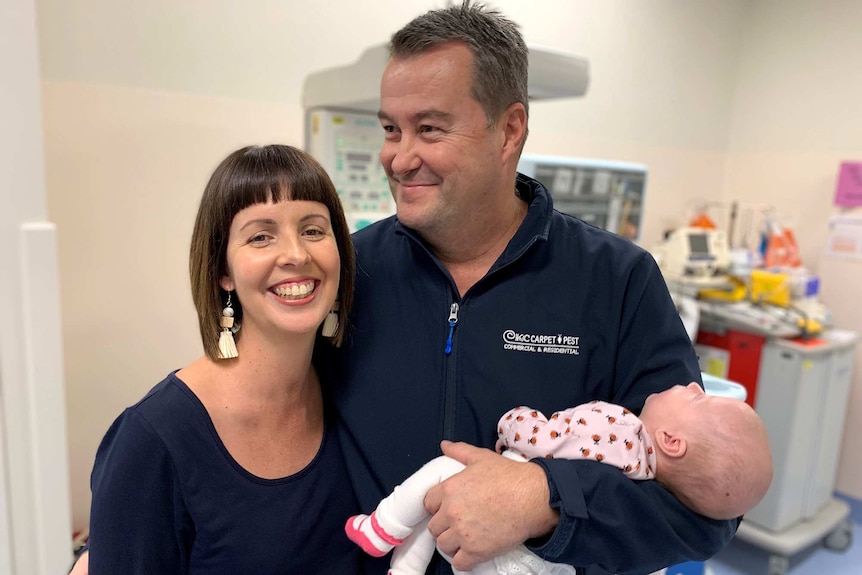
x=294 y=291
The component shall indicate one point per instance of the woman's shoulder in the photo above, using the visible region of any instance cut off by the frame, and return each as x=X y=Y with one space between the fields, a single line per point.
x=169 y=408
x=162 y=395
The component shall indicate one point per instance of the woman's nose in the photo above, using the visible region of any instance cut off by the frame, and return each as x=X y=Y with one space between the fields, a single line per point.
x=292 y=252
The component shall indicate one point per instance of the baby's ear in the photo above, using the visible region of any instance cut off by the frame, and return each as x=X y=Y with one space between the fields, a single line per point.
x=669 y=444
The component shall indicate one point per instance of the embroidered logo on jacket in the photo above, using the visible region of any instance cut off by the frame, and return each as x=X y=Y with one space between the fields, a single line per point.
x=541 y=343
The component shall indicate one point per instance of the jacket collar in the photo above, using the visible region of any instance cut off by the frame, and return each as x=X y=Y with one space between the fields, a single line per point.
x=535 y=227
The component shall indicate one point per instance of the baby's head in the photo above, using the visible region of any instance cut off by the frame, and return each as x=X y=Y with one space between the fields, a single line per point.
x=712 y=452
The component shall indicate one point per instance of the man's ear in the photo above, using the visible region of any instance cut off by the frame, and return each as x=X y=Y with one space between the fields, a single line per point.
x=669 y=444
x=514 y=120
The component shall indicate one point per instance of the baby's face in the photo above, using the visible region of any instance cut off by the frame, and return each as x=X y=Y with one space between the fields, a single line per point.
x=681 y=400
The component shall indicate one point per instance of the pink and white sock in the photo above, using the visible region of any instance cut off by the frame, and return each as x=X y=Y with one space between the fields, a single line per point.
x=367 y=532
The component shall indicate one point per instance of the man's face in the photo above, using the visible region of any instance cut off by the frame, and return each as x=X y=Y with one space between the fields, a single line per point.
x=442 y=161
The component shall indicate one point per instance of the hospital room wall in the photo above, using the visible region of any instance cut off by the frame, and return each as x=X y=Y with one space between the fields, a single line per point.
x=131 y=137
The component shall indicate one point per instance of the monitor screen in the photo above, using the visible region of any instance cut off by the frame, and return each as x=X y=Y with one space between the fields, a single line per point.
x=697 y=245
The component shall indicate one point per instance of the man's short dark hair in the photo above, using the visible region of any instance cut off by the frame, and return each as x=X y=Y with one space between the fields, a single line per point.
x=500 y=56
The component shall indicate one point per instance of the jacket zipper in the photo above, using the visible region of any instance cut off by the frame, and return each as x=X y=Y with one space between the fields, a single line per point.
x=453 y=319
x=450 y=404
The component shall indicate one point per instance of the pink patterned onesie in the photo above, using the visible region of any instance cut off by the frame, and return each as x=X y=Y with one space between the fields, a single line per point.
x=601 y=431
x=597 y=430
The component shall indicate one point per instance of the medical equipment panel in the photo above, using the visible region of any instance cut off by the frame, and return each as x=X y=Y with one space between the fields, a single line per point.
x=606 y=194
x=347 y=144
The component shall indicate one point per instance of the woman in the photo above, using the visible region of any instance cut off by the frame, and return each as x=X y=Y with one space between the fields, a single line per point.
x=229 y=465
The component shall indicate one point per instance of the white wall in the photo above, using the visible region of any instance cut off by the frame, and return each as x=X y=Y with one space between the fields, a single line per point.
x=35 y=522
x=143 y=99
x=840 y=291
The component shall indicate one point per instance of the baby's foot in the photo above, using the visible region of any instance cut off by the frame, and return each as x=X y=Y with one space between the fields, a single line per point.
x=365 y=531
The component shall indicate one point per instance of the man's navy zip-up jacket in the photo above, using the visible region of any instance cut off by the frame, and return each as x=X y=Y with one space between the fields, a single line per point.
x=568 y=313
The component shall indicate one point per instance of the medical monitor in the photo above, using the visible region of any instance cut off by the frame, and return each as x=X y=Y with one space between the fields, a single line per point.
x=698 y=246
x=693 y=253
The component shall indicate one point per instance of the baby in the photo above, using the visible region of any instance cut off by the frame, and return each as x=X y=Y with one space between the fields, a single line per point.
x=711 y=452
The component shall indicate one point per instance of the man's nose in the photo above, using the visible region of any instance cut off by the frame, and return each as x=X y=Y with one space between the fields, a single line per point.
x=402 y=155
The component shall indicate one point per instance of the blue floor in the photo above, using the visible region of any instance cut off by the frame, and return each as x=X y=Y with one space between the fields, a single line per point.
x=741 y=558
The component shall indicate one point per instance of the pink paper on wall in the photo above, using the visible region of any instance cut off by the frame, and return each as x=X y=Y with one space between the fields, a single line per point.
x=848 y=193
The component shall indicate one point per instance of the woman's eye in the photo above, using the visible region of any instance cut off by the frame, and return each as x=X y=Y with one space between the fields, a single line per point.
x=258 y=238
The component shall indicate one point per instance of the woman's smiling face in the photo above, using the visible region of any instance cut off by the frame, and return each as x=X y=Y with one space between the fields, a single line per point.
x=283 y=263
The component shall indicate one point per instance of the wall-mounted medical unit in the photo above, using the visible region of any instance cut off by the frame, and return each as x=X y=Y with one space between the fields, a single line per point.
x=606 y=194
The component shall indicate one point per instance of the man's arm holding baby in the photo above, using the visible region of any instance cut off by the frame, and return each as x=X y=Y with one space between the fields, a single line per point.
x=569 y=511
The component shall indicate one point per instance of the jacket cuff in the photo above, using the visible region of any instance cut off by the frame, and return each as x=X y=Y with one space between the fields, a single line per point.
x=567 y=498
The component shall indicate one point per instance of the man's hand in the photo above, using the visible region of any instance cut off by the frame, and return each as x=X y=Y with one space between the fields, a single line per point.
x=488 y=508
x=82 y=565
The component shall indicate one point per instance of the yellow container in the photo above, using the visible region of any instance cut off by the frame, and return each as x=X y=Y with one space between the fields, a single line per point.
x=770 y=287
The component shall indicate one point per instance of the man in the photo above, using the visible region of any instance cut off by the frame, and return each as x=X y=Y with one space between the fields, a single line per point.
x=480 y=297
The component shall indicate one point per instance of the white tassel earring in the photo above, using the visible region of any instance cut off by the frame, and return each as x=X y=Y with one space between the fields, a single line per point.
x=330 y=324
x=226 y=344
